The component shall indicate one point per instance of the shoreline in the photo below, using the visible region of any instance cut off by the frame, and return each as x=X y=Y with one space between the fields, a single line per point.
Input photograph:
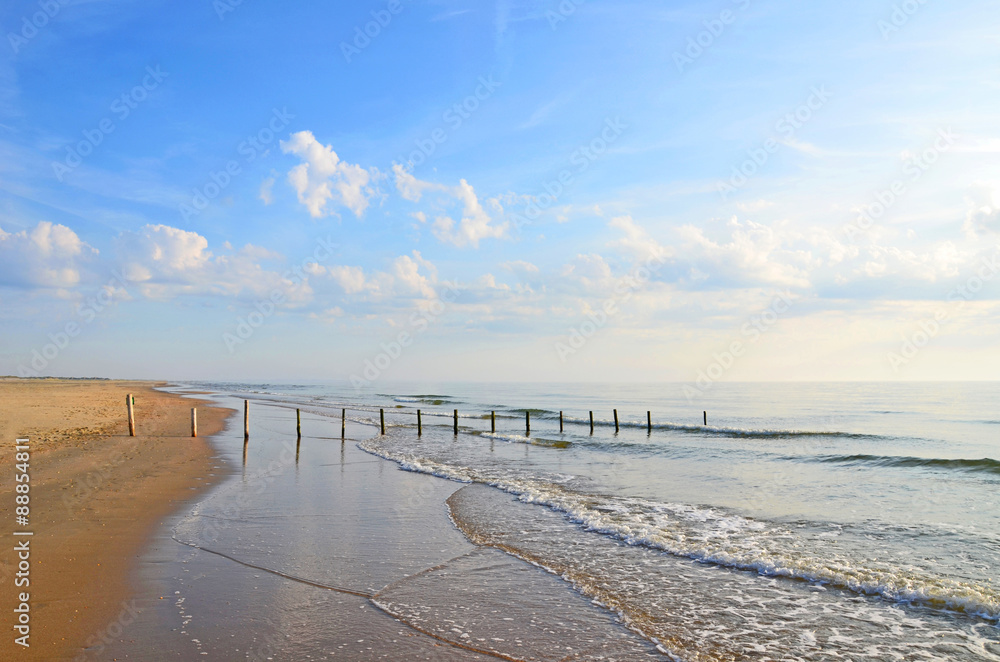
x=97 y=497
x=319 y=549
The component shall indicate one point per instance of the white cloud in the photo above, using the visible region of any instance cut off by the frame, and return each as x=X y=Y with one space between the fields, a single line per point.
x=751 y=254
x=266 y=190
x=351 y=279
x=475 y=224
x=519 y=267
x=165 y=261
x=407 y=273
x=323 y=177
x=410 y=187
x=637 y=241
x=48 y=255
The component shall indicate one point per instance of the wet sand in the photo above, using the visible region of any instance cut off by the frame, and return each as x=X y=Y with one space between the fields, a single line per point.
x=97 y=495
x=318 y=550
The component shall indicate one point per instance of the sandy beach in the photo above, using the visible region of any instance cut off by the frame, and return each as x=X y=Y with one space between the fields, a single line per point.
x=96 y=495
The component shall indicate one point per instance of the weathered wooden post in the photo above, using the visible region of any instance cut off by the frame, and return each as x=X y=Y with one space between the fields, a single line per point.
x=381 y=417
x=616 y=421
x=129 y=402
x=493 y=421
x=420 y=427
x=527 y=422
x=343 y=422
x=194 y=422
x=246 y=420
x=298 y=423
x=560 y=422
x=456 y=421
x=649 y=423
x=704 y=415
x=591 y=422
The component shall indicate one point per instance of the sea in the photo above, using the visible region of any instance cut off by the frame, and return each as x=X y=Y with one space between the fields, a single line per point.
x=754 y=521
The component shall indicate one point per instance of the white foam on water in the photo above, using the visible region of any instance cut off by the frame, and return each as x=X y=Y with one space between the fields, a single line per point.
x=712 y=535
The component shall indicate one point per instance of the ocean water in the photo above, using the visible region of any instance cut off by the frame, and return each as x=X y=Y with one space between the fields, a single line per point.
x=821 y=521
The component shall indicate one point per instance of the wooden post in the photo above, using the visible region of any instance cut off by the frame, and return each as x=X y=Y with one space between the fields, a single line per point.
x=527 y=422
x=194 y=422
x=246 y=420
x=381 y=417
x=704 y=415
x=420 y=427
x=649 y=423
x=298 y=423
x=131 y=414
x=456 y=421
x=591 y=422
x=493 y=421
x=343 y=422
x=616 y=421
x=560 y=422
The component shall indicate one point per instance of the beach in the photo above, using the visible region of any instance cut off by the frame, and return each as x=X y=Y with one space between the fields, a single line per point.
x=96 y=496
x=316 y=549
x=839 y=525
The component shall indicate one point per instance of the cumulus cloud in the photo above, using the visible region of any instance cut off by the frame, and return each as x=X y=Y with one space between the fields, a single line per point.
x=474 y=224
x=48 y=255
x=165 y=261
x=408 y=276
x=323 y=177
x=407 y=273
x=750 y=254
x=637 y=241
x=410 y=187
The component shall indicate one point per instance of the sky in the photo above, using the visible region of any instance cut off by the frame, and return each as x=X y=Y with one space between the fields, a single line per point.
x=574 y=190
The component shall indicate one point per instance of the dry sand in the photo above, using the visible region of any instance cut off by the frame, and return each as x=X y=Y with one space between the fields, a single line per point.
x=96 y=495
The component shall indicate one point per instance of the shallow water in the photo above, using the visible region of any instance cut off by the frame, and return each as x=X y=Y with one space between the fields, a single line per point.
x=812 y=522
x=314 y=549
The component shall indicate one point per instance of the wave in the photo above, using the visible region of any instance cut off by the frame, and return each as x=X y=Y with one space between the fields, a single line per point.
x=984 y=465
x=723 y=431
x=714 y=536
x=427 y=399
x=522 y=439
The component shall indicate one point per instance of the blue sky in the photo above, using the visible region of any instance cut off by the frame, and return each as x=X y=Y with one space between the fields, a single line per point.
x=543 y=191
